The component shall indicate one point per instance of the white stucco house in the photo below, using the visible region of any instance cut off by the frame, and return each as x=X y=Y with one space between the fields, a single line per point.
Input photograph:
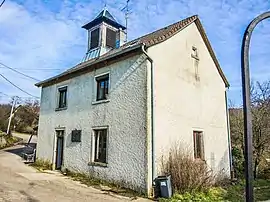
x=118 y=111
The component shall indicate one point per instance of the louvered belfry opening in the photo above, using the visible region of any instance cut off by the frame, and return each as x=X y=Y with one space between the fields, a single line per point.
x=104 y=34
x=110 y=38
x=94 y=38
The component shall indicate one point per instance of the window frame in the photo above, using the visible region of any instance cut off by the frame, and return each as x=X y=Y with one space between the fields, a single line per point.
x=198 y=134
x=60 y=90
x=102 y=78
x=95 y=160
x=98 y=38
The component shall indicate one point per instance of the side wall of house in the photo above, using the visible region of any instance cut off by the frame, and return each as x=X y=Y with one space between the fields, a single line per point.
x=124 y=114
x=186 y=101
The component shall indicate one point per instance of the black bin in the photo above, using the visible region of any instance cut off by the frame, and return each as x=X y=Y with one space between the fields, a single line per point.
x=163 y=186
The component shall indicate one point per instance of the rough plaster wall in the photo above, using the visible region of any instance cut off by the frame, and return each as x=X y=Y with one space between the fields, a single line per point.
x=184 y=103
x=125 y=115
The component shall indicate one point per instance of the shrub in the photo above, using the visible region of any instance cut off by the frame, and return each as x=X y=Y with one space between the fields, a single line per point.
x=188 y=175
x=42 y=164
x=238 y=162
x=212 y=195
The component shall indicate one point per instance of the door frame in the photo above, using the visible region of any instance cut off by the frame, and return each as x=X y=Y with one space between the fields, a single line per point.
x=55 y=147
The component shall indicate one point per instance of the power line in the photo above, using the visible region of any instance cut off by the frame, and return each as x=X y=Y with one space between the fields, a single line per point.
x=4 y=94
x=37 y=69
x=17 y=86
x=2 y=3
x=19 y=72
x=11 y=96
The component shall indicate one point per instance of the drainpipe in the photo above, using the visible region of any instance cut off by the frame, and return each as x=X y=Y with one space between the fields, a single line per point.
x=229 y=135
x=152 y=114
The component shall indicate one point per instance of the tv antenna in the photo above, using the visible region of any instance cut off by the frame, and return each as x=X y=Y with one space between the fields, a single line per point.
x=126 y=9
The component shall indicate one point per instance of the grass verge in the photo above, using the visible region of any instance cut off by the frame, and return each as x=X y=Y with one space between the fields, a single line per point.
x=236 y=193
x=211 y=195
x=104 y=185
x=9 y=140
x=41 y=164
x=232 y=193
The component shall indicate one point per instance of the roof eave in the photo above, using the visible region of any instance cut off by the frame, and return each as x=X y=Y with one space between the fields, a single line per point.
x=101 y=19
x=89 y=63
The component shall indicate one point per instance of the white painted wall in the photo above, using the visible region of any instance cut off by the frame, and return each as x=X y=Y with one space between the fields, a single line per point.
x=183 y=104
x=125 y=115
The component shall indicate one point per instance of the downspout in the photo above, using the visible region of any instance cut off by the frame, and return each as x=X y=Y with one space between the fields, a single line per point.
x=229 y=135
x=152 y=114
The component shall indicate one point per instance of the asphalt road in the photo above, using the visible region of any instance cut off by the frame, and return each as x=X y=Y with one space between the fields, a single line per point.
x=22 y=183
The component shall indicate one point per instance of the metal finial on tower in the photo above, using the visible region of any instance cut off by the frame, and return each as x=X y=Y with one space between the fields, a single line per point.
x=126 y=9
x=105 y=4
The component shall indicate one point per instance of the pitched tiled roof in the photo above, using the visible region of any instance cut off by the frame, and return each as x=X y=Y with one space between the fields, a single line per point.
x=154 y=37
x=148 y=40
x=104 y=16
x=164 y=33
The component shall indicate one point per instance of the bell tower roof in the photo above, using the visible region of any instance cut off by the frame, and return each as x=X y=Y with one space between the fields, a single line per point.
x=104 y=16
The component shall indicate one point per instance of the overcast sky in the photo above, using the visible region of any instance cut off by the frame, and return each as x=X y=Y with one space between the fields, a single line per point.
x=36 y=35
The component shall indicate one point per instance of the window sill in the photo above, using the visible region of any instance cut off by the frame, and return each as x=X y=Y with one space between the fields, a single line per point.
x=60 y=109
x=100 y=101
x=98 y=164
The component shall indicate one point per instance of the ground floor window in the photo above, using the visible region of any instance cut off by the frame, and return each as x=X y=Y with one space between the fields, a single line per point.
x=198 y=145
x=100 y=145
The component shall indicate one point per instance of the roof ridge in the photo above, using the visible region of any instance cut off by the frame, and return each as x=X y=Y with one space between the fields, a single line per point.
x=166 y=27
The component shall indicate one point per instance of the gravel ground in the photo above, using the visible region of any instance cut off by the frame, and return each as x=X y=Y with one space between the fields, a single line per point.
x=19 y=182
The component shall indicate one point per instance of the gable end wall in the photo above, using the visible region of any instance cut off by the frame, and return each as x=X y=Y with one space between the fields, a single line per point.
x=185 y=101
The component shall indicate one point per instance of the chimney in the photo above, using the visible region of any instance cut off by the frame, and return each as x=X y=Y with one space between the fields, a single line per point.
x=120 y=38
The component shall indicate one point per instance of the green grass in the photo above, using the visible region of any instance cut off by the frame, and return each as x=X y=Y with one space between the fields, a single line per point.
x=232 y=193
x=236 y=193
x=215 y=194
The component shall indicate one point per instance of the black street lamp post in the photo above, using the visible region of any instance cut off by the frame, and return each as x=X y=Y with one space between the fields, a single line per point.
x=247 y=104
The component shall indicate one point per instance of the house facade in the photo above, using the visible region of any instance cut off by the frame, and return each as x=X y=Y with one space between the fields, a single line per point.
x=120 y=110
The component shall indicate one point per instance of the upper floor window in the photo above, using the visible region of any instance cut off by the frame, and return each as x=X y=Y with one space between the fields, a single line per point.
x=94 y=38
x=102 y=87
x=198 y=145
x=110 y=38
x=62 y=97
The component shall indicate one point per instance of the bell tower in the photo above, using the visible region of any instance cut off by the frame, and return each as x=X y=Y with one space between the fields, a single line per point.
x=104 y=34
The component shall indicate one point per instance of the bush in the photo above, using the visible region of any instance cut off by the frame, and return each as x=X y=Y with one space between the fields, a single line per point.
x=238 y=162
x=212 y=195
x=188 y=175
x=7 y=140
x=42 y=164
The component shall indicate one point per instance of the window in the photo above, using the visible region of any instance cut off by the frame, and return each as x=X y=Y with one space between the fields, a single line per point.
x=62 y=100
x=110 y=38
x=102 y=87
x=100 y=145
x=94 y=38
x=198 y=145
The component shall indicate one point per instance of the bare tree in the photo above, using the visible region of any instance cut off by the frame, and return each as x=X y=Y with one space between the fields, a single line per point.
x=260 y=107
